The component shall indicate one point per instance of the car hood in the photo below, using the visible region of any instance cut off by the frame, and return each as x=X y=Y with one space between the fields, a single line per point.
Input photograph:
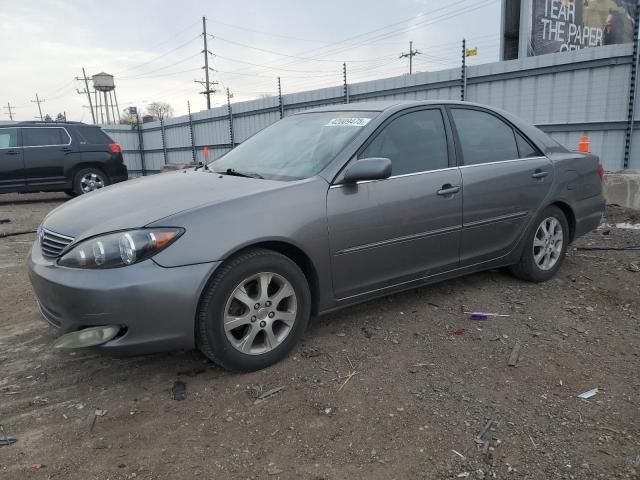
x=137 y=203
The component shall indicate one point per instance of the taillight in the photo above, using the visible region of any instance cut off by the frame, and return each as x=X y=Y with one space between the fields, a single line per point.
x=600 y=170
x=115 y=148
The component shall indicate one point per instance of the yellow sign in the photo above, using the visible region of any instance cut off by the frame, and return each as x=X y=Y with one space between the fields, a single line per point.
x=472 y=52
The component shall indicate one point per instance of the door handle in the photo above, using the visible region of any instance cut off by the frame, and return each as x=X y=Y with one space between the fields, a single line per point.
x=448 y=189
x=537 y=174
x=66 y=149
x=12 y=152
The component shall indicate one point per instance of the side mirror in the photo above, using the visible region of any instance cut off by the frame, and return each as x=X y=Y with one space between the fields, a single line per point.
x=368 y=169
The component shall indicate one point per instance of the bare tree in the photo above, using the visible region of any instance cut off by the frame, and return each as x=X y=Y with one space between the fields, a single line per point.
x=160 y=110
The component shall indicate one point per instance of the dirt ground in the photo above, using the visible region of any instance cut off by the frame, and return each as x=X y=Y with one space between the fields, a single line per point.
x=397 y=388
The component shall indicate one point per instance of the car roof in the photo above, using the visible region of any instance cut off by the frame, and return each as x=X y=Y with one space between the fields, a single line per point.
x=38 y=123
x=543 y=141
x=383 y=105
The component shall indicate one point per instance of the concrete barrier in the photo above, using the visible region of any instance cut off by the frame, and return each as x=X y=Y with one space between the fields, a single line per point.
x=623 y=188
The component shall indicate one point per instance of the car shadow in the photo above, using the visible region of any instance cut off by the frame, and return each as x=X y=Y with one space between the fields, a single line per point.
x=27 y=201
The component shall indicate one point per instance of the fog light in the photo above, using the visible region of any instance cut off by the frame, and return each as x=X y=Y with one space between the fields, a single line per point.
x=88 y=337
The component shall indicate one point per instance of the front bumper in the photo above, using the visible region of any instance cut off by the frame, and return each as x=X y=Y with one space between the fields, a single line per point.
x=156 y=306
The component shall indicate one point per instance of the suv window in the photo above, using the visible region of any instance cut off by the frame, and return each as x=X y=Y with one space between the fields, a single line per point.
x=93 y=135
x=484 y=137
x=414 y=142
x=8 y=137
x=38 y=137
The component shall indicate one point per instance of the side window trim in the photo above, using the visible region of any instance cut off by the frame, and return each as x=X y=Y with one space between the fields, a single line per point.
x=514 y=130
x=40 y=146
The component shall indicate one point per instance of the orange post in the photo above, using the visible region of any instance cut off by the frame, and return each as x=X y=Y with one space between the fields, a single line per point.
x=206 y=152
x=583 y=144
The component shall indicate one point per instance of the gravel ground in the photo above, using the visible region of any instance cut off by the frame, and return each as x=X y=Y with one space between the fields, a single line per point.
x=397 y=388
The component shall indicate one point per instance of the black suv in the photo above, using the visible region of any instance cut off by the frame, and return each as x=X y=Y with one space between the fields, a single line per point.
x=71 y=157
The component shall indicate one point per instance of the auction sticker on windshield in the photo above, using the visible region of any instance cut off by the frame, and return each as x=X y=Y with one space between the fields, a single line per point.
x=348 y=122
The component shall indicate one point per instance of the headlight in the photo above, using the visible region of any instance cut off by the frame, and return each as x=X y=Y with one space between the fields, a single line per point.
x=119 y=249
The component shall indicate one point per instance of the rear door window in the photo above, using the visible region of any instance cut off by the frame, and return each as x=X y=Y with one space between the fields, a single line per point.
x=8 y=137
x=524 y=147
x=414 y=142
x=93 y=136
x=41 y=137
x=484 y=137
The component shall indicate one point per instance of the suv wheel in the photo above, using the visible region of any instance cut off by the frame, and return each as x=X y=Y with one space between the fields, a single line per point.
x=253 y=311
x=89 y=179
x=545 y=247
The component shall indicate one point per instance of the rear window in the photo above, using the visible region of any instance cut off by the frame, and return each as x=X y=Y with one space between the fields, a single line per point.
x=44 y=136
x=92 y=135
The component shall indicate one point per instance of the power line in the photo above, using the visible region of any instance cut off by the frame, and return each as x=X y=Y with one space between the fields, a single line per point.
x=427 y=20
x=150 y=72
x=135 y=67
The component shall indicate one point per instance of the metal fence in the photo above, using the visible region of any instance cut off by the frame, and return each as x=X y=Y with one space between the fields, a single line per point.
x=584 y=92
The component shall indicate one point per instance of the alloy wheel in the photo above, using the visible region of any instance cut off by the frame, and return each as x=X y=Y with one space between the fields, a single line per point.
x=548 y=243
x=90 y=182
x=259 y=313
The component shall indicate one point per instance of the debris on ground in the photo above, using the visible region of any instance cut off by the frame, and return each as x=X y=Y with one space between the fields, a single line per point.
x=269 y=393
x=515 y=354
x=179 y=391
x=98 y=413
x=37 y=466
x=589 y=393
x=484 y=431
x=484 y=315
x=459 y=331
x=5 y=440
x=634 y=267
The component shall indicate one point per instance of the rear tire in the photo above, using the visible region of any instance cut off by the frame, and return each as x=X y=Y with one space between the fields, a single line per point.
x=88 y=180
x=71 y=193
x=253 y=311
x=545 y=246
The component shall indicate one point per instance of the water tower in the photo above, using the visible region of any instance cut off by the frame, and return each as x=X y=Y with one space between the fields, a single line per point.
x=105 y=88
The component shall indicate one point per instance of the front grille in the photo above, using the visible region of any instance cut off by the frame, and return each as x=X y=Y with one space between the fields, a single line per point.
x=52 y=243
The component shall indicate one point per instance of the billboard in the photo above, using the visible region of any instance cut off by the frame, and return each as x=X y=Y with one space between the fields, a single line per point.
x=562 y=25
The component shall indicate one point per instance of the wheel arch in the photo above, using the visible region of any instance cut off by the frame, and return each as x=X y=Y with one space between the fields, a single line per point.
x=293 y=253
x=73 y=171
x=571 y=217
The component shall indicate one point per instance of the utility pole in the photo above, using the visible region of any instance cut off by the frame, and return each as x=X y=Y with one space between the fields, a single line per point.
x=412 y=53
x=38 y=101
x=346 y=85
x=231 y=140
x=87 y=92
x=9 y=107
x=280 y=104
x=207 y=84
x=463 y=71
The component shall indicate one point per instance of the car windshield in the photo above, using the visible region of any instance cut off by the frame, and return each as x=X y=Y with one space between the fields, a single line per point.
x=294 y=148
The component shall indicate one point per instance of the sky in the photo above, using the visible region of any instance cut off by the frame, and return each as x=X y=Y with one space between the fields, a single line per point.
x=154 y=48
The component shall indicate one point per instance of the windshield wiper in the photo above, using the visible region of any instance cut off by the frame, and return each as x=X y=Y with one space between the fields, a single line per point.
x=236 y=173
x=202 y=165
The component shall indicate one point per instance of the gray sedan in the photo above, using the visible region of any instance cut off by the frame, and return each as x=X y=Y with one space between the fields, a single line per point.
x=321 y=210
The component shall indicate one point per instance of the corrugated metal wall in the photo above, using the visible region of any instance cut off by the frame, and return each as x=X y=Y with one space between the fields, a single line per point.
x=585 y=92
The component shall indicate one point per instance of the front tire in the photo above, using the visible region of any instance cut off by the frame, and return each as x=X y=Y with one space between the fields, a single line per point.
x=253 y=311
x=545 y=247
